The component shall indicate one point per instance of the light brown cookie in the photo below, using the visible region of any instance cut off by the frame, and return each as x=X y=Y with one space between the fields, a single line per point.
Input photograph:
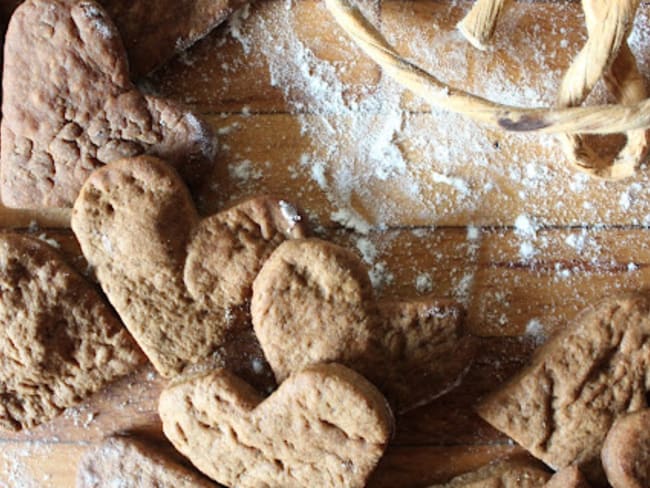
x=514 y=472
x=325 y=426
x=593 y=371
x=173 y=278
x=569 y=477
x=313 y=302
x=69 y=107
x=626 y=452
x=59 y=342
x=126 y=462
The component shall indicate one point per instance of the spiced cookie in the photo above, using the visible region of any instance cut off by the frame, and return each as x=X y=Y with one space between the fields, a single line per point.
x=626 y=452
x=174 y=279
x=593 y=371
x=69 y=107
x=313 y=302
x=324 y=426
x=569 y=477
x=125 y=462
x=59 y=342
x=514 y=472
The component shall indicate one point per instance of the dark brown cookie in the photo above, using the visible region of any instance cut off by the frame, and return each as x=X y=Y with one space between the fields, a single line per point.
x=175 y=279
x=313 y=302
x=126 y=462
x=152 y=36
x=325 y=426
x=626 y=452
x=593 y=371
x=69 y=107
x=59 y=342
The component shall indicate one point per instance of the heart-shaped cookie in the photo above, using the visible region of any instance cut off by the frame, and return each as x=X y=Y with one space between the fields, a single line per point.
x=174 y=279
x=313 y=302
x=59 y=342
x=325 y=426
x=593 y=371
x=69 y=107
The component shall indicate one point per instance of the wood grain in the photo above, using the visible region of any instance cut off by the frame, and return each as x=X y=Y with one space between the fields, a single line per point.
x=519 y=283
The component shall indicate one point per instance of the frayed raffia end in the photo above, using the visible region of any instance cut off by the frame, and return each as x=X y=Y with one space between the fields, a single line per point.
x=605 y=54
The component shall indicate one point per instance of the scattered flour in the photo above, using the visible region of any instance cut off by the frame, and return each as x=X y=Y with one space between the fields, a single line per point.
x=290 y=214
x=424 y=283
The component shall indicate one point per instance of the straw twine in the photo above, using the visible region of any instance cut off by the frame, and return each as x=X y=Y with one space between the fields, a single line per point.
x=605 y=55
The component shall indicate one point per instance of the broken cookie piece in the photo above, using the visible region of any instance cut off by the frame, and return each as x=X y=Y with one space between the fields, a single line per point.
x=515 y=472
x=592 y=372
x=175 y=280
x=313 y=302
x=125 y=462
x=325 y=426
x=626 y=452
x=59 y=342
x=69 y=107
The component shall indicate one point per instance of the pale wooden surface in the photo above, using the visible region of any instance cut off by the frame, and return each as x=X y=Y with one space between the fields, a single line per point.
x=591 y=239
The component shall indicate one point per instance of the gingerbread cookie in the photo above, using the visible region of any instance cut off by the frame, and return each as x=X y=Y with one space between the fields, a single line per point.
x=313 y=302
x=569 y=477
x=515 y=472
x=593 y=371
x=125 y=462
x=69 y=107
x=626 y=452
x=325 y=426
x=59 y=342
x=174 y=279
x=153 y=35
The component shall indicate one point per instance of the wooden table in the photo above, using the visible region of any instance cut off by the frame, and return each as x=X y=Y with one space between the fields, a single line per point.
x=498 y=221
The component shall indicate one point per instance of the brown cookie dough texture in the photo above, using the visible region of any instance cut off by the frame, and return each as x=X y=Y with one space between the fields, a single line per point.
x=125 y=462
x=69 y=107
x=626 y=452
x=153 y=35
x=325 y=426
x=561 y=407
x=313 y=302
x=59 y=342
x=569 y=477
x=515 y=472
x=174 y=279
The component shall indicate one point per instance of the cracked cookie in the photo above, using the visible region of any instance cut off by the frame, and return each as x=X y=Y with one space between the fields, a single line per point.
x=59 y=342
x=325 y=426
x=125 y=462
x=69 y=107
x=175 y=280
x=626 y=452
x=593 y=371
x=313 y=302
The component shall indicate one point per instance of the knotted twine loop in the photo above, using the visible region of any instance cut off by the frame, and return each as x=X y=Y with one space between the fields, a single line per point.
x=606 y=55
x=596 y=119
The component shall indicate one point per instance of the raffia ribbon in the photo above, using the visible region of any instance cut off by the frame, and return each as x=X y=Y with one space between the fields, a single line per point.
x=606 y=53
